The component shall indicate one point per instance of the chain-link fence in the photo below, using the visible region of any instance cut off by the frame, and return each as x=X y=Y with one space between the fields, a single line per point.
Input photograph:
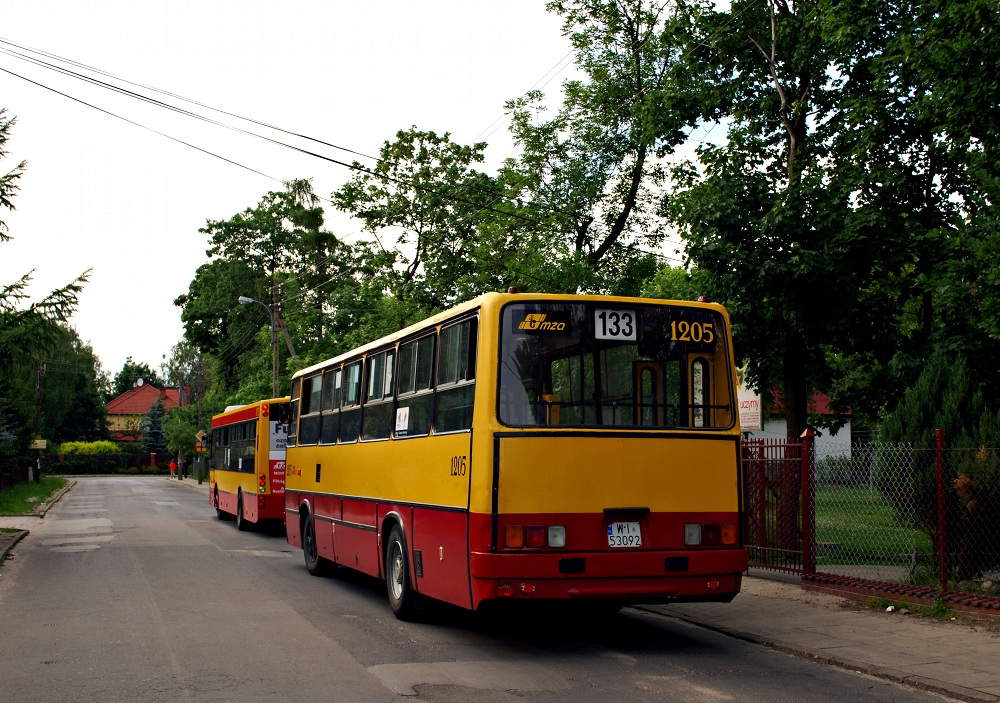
x=879 y=514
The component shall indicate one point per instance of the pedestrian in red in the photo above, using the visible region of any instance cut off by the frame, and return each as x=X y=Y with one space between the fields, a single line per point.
x=173 y=468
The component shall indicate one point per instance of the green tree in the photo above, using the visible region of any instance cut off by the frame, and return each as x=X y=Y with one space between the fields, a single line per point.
x=131 y=372
x=215 y=323
x=759 y=214
x=72 y=404
x=593 y=171
x=421 y=203
x=153 y=439
x=28 y=331
x=838 y=222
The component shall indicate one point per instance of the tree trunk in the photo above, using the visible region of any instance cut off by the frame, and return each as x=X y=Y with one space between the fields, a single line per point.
x=795 y=394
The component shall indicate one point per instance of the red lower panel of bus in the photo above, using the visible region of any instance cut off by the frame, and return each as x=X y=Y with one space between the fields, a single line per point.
x=441 y=539
x=255 y=507
x=355 y=536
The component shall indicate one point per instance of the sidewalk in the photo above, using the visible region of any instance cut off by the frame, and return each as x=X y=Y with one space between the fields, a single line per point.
x=959 y=659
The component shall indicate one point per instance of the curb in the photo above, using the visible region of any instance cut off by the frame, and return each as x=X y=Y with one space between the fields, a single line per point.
x=42 y=508
x=932 y=685
x=8 y=544
x=193 y=483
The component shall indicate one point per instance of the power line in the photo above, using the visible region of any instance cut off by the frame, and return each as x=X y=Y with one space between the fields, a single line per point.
x=159 y=103
x=137 y=124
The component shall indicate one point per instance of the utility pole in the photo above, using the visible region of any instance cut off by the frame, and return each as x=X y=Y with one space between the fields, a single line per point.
x=274 y=338
x=38 y=424
x=198 y=454
x=276 y=322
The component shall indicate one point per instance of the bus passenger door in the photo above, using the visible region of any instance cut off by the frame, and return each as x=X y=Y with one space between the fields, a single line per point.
x=440 y=532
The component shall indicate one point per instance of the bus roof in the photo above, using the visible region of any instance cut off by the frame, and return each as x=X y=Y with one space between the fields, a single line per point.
x=494 y=300
x=233 y=409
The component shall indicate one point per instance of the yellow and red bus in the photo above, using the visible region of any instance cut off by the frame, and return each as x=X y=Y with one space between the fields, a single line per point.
x=247 y=463
x=526 y=447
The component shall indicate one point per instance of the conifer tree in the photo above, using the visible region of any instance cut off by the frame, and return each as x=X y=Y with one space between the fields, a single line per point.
x=153 y=439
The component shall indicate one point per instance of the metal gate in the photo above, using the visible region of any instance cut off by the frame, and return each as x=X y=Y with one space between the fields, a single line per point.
x=777 y=494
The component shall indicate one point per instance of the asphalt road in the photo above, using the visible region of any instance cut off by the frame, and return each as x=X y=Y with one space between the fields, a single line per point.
x=132 y=590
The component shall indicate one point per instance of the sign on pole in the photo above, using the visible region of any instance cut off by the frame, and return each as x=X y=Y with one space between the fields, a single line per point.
x=750 y=415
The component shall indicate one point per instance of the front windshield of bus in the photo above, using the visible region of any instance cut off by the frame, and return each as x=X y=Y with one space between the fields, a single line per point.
x=614 y=365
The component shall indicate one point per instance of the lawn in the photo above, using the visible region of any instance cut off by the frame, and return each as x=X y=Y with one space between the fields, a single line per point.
x=865 y=527
x=20 y=499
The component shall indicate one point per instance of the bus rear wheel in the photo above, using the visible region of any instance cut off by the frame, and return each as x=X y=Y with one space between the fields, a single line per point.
x=241 y=522
x=397 y=576
x=315 y=564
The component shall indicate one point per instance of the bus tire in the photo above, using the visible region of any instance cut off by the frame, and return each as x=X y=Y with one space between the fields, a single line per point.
x=219 y=512
x=241 y=522
x=397 y=575
x=315 y=564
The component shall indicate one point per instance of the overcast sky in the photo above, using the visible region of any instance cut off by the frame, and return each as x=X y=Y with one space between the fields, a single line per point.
x=104 y=194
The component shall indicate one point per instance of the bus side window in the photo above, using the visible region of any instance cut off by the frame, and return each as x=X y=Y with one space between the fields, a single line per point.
x=378 y=398
x=250 y=456
x=350 y=407
x=330 y=422
x=699 y=393
x=456 y=378
x=415 y=392
x=309 y=408
x=293 y=422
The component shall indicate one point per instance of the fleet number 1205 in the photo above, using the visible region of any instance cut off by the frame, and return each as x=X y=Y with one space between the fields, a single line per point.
x=697 y=332
x=458 y=466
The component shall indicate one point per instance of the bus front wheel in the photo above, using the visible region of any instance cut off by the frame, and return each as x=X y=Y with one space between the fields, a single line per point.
x=241 y=522
x=315 y=564
x=397 y=575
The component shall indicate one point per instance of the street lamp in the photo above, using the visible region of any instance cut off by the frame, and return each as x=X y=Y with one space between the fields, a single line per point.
x=244 y=300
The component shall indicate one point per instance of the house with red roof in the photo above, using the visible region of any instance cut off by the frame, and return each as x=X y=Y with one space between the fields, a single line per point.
x=125 y=413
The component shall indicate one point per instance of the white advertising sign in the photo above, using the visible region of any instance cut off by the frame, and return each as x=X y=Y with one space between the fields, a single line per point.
x=750 y=416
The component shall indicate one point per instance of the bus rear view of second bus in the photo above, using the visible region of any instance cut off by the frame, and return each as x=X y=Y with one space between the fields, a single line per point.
x=247 y=463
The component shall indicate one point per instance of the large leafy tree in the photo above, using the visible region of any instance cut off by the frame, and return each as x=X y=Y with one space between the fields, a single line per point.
x=130 y=372
x=759 y=214
x=831 y=217
x=593 y=171
x=420 y=203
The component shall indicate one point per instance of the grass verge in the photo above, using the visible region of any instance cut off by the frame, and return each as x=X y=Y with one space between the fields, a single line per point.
x=939 y=610
x=864 y=527
x=22 y=498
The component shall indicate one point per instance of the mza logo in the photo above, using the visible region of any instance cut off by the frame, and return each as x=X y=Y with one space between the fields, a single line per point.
x=536 y=321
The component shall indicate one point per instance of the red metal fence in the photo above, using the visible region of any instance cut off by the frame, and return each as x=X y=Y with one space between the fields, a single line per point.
x=777 y=495
x=897 y=519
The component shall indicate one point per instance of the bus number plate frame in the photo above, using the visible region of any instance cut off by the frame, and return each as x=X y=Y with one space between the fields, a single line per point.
x=624 y=534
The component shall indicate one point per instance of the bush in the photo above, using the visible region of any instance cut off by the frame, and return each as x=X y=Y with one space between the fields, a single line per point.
x=945 y=396
x=121 y=463
x=102 y=446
